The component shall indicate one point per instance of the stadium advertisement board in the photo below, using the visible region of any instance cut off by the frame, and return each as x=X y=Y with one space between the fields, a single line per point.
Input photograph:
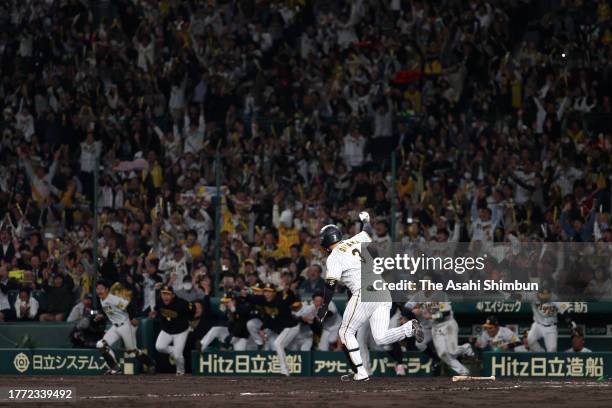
x=329 y=363
x=258 y=363
x=58 y=362
x=548 y=365
x=320 y=363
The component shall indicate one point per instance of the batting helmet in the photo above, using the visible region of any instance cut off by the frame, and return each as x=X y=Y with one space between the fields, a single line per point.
x=330 y=234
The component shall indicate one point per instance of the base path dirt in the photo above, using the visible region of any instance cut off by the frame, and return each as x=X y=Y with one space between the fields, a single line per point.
x=180 y=392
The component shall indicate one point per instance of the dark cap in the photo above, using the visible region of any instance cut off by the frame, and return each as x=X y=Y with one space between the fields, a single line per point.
x=269 y=287
x=167 y=289
x=491 y=322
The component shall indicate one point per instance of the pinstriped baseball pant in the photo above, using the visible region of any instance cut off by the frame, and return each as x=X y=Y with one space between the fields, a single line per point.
x=358 y=313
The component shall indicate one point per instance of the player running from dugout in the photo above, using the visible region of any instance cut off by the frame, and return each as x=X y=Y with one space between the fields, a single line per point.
x=255 y=321
x=174 y=315
x=279 y=324
x=545 y=318
x=435 y=308
x=344 y=264
x=120 y=312
x=233 y=328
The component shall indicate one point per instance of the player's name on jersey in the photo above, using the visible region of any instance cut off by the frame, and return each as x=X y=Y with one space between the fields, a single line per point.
x=476 y=285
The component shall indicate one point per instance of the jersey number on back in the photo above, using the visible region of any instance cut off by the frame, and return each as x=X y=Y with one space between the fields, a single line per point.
x=356 y=252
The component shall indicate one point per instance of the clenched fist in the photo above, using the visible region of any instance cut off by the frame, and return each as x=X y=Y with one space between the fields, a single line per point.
x=364 y=217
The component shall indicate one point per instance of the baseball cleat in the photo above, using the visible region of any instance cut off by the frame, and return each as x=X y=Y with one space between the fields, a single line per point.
x=113 y=371
x=353 y=377
x=180 y=373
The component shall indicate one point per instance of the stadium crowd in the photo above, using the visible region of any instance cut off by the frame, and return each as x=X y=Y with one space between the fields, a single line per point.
x=484 y=103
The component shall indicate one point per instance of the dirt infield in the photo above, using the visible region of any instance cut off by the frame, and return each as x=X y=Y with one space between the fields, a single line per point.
x=170 y=391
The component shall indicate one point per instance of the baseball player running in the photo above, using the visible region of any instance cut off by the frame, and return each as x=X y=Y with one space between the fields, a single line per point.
x=254 y=322
x=366 y=340
x=175 y=315
x=278 y=319
x=344 y=264
x=496 y=337
x=544 y=325
x=434 y=306
x=121 y=313
x=233 y=328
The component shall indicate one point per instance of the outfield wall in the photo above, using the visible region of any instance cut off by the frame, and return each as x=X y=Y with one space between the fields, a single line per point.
x=68 y=362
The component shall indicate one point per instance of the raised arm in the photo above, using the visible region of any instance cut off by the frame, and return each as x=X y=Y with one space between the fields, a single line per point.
x=366 y=226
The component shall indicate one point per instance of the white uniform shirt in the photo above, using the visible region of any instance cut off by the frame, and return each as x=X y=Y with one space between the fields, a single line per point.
x=149 y=296
x=89 y=152
x=169 y=265
x=353 y=150
x=545 y=313
x=503 y=337
x=345 y=261
x=115 y=308
x=32 y=311
x=76 y=313
x=584 y=350
x=334 y=318
x=4 y=300
x=307 y=310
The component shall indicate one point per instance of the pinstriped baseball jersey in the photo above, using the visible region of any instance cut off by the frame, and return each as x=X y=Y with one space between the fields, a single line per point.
x=345 y=261
x=115 y=309
x=545 y=313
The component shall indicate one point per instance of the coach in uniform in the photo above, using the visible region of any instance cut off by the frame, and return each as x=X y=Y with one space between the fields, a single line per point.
x=175 y=315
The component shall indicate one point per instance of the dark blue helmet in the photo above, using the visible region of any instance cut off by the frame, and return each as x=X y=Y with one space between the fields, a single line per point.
x=330 y=234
